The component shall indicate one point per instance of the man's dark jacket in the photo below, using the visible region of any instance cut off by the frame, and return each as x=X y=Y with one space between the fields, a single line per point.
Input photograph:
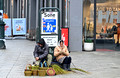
x=41 y=52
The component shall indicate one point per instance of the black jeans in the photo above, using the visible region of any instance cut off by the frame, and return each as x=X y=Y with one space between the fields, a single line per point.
x=67 y=60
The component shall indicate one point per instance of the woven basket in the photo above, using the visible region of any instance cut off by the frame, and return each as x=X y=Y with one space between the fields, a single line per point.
x=43 y=68
x=28 y=72
x=35 y=67
x=35 y=72
x=41 y=72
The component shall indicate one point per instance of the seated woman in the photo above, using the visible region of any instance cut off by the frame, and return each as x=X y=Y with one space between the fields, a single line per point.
x=62 y=55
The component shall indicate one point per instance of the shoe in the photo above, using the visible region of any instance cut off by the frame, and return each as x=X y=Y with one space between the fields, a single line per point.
x=68 y=67
x=65 y=66
x=117 y=45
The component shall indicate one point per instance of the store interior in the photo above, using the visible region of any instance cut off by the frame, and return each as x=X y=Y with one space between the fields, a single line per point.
x=107 y=23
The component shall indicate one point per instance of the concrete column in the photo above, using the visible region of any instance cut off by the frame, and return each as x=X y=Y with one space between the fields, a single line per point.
x=75 y=29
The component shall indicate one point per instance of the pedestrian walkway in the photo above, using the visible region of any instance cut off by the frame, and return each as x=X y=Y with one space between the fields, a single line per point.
x=19 y=53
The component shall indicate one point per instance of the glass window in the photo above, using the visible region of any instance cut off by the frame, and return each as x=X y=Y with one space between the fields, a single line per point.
x=107 y=22
x=88 y=20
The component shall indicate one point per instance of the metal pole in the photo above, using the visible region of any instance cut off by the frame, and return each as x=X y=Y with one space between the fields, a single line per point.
x=37 y=13
x=50 y=4
x=12 y=15
x=2 y=33
x=56 y=3
x=45 y=3
x=85 y=28
x=23 y=9
x=1 y=8
x=66 y=13
x=26 y=16
x=26 y=9
x=94 y=25
x=60 y=7
x=7 y=8
x=29 y=15
x=1 y=4
x=41 y=3
x=18 y=8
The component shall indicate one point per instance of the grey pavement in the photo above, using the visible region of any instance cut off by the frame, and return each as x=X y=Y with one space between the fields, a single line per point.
x=19 y=53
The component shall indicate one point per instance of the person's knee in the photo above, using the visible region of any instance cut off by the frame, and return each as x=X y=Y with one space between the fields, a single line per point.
x=49 y=59
x=69 y=60
x=66 y=60
x=49 y=56
x=37 y=62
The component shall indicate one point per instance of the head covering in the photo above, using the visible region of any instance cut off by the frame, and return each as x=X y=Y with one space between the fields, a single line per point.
x=60 y=42
x=42 y=42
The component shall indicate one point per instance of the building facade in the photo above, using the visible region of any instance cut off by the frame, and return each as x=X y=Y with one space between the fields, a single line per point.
x=86 y=19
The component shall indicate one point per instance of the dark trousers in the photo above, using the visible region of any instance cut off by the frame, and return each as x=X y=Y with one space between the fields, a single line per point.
x=42 y=63
x=67 y=60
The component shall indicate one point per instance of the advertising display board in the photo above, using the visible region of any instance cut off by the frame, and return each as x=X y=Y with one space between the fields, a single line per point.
x=49 y=26
x=19 y=26
x=51 y=40
x=64 y=35
x=49 y=23
x=7 y=27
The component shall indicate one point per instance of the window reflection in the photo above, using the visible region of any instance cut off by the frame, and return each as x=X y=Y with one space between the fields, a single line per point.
x=108 y=16
x=88 y=20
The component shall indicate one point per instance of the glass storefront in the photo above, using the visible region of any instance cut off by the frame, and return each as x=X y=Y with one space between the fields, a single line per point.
x=107 y=24
x=107 y=20
x=88 y=21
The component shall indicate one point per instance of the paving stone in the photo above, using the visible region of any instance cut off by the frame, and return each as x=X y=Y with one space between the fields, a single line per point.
x=19 y=53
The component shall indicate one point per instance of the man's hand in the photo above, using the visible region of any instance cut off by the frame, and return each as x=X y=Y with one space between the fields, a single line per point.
x=37 y=58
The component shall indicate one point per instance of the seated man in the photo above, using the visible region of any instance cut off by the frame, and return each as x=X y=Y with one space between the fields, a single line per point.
x=62 y=55
x=41 y=52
